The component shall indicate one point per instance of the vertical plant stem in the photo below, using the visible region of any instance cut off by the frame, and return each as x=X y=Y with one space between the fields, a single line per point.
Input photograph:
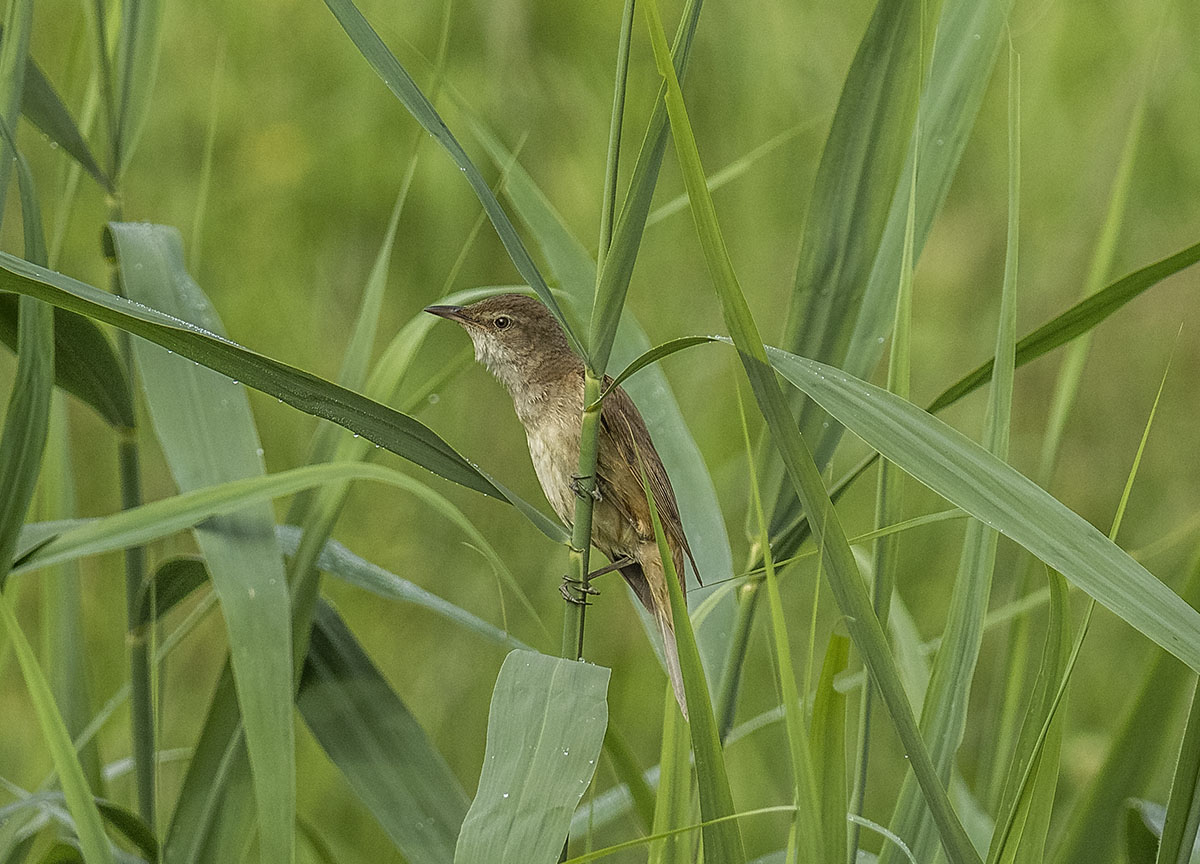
x=612 y=163
x=581 y=529
x=731 y=677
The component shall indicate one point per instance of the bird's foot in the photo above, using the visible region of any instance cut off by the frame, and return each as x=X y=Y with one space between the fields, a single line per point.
x=576 y=486
x=570 y=586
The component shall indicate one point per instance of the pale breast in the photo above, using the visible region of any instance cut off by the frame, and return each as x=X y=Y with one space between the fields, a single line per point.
x=554 y=465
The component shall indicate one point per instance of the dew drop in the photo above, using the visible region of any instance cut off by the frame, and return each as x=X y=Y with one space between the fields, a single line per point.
x=434 y=398
x=505 y=794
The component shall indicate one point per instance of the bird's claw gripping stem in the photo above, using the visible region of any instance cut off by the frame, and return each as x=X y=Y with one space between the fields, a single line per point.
x=570 y=585
x=576 y=486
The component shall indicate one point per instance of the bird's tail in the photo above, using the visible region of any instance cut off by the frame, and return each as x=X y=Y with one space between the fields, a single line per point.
x=667 y=628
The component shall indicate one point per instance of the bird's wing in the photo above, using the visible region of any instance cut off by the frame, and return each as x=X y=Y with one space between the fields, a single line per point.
x=622 y=424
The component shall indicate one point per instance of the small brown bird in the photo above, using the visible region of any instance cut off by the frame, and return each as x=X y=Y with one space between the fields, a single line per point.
x=522 y=344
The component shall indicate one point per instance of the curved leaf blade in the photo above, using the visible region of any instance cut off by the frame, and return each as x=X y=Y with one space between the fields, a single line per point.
x=1000 y=496
x=545 y=729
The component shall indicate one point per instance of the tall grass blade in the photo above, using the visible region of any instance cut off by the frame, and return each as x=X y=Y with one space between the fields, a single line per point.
x=808 y=826
x=827 y=740
x=64 y=650
x=722 y=839
x=1074 y=322
x=673 y=804
x=852 y=192
x=389 y=428
x=88 y=825
x=967 y=475
x=27 y=418
x=397 y=79
x=844 y=578
x=208 y=436
x=360 y=721
x=612 y=282
x=44 y=108
x=545 y=729
x=341 y=563
x=1183 y=807
x=14 y=58
x=137 y=68
x=1028 y=797
x=1143 y=828
x=958 y=75
x=1091 y=830
x=612 y=160
x=944 y=712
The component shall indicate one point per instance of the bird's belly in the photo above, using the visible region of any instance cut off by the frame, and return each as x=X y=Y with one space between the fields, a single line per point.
x=555 y=465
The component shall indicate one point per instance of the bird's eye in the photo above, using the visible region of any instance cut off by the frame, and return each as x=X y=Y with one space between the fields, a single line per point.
x=502 y=321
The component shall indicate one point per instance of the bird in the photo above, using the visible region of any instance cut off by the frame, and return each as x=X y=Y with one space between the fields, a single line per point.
x=521 y=343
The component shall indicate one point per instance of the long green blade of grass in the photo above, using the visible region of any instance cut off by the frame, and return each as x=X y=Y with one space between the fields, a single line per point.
x=397 y=79
x=43 y=107
x=853 y=190
x=545 y=729
x=722 y=839
x=14 y=58
x=844 y=578
x=137 y=68
x=967 y=475
x=944 y=713
x=88 y=824
x=86 y=366
x=673 y=803
x=828 y=745
x=358 y=719
x=180 y=512
x=389 y=428
x=1183 y=807
x=808 y=826
x=208 y=436
x=1091 y=830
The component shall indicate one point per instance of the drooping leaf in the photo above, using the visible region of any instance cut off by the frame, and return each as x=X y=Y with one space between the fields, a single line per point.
x=384 y=754
x=545 y=729
x=42 y=106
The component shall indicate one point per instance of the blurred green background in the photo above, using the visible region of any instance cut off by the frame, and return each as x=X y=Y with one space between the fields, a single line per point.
x=309 y=153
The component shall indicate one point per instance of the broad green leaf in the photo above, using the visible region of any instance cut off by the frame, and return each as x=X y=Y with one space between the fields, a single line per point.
x=397 y=79
x=136 y=69
x=389 y=428
x=844 y=578
x=208 y=436
x=968 y=476
x=88 y=824
x=545 y=729
x=43 y=107
x=1179 y=831
x=385 y=755
x=722 y=839
x=85 y=363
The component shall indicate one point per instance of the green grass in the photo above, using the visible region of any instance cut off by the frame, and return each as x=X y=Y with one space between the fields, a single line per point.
x=890 y=677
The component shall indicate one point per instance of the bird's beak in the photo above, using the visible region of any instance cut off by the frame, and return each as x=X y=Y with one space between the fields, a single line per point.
x=452 y=313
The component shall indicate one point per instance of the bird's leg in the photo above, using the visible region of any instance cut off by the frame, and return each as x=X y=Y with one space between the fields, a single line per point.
x=569 y=583
x=576 y=486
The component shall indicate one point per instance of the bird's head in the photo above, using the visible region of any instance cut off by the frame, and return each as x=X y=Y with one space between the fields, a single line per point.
x=515 y=336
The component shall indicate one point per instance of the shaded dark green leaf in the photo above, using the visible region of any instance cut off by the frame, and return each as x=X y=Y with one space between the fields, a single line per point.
x=42 y=106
